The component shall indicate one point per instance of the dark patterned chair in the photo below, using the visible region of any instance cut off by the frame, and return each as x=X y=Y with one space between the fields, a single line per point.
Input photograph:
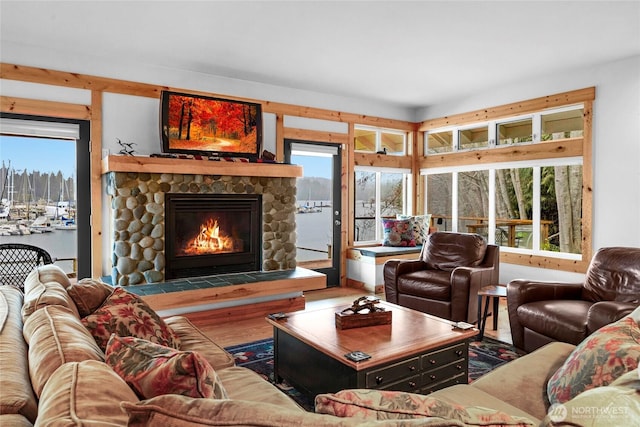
x=541 y=312
x=445 y=280
x=17 y=260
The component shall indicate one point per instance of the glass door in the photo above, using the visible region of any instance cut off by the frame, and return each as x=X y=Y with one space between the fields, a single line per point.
x=318 y=217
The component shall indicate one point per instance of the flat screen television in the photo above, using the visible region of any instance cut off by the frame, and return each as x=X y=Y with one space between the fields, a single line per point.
x=208 y=126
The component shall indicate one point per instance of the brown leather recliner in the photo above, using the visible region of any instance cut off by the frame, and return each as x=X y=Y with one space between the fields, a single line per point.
x=446 y=278
x=542 y=312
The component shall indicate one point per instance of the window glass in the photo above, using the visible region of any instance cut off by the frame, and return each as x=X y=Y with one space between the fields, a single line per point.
x=561 y=208
x=473 y=138
x=365 y=208
x=378 y=195
x=439 y=142
x=373 y=140
x=393 y=143
x=473 y=202
x=514 y=201
x=391 y=194
x=439 y=196
x=365 y=140
x=515 y=132
x=560 y=125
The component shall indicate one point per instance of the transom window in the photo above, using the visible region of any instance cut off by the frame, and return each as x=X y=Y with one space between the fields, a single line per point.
x=529 y=201
x=373 y=140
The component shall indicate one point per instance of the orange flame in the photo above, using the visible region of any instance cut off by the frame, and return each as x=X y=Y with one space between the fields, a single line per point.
x=210 y=240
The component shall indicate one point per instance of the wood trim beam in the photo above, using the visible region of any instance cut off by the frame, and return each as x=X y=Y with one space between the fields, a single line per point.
x=96 y=183
x=382 y=160
x=35 y=107
x=569 y=147
x=587 y=183
x=315 y=135
x=513 y=109
x=538 y=261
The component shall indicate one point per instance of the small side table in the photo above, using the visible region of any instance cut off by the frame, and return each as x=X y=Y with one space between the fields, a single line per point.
x=489 y=292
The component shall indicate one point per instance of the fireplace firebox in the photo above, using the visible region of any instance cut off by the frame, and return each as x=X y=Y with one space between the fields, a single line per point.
x=209 y=234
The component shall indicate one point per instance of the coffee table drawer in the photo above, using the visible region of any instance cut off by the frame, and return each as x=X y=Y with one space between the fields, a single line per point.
x=447 y=371
x=440 y=357
x=382 y=377
x=411 y=385
x=461 y=378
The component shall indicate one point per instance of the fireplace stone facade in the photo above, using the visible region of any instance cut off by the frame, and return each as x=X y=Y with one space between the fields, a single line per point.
x=138 y=222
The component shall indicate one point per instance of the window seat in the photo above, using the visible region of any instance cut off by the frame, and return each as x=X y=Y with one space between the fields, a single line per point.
x=365 y=264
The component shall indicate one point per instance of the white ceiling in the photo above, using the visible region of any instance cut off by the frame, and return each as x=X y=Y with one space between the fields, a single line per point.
x=411 y=54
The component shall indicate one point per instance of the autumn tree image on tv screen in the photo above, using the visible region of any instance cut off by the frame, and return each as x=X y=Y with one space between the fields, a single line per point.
x=212 y=125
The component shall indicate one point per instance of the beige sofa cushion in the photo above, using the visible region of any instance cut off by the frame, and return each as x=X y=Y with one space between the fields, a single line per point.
x=14 y=420
x=46 y=285
x=523 y=382
x=84 y=394
x=245 y=384
x=16 y=394
x=88 y=295
x=56 y=336
x=192 y=339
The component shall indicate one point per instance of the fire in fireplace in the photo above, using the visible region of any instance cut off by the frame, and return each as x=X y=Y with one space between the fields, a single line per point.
x=210 y=234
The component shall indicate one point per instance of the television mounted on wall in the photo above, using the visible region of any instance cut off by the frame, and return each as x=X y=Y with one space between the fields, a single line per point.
x=208 y=126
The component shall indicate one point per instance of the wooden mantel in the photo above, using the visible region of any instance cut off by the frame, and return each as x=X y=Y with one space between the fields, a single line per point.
x=198 y=167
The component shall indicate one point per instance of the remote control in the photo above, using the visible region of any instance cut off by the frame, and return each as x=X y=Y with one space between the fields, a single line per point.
x=277 y=316
x=463 y=325
x=357 y=356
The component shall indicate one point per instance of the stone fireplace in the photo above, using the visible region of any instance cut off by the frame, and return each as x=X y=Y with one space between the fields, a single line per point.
x=138 y=217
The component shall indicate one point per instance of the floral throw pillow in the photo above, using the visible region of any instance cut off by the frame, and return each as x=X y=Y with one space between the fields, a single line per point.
x=125 y=314
x=395 y=405
x=421 y=224
x=398 y=232
x=605 y=355
x=153 y=370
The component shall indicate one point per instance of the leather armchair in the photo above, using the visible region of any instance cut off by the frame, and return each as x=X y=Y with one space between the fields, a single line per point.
x=542 y=312
x=445 y=280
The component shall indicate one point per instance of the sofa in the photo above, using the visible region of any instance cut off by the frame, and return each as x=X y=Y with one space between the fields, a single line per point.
x=55 y=373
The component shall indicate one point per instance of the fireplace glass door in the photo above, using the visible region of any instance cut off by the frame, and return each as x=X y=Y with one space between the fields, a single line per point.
x=212 y=234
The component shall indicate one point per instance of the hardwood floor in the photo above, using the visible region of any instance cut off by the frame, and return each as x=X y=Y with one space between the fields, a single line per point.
x=241 y=331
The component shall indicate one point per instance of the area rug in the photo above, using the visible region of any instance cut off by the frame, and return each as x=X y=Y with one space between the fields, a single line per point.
x=484 y=356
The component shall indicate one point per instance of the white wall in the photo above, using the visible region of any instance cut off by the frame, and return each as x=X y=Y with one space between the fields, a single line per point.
x=97 y=65
x=616 y=148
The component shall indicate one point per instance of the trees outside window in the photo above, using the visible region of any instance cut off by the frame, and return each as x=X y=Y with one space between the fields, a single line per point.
x=378 y=194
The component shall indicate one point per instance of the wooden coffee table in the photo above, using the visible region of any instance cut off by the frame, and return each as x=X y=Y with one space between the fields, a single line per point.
x=417 y=352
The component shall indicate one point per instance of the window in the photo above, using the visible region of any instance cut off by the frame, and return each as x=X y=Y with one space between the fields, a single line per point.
x=378 y=194
x=439 y=142
x=475 y=137
x=373 y=140
x=526 y=206
x=515 y=132
x=536 y=209
x=45 y=183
